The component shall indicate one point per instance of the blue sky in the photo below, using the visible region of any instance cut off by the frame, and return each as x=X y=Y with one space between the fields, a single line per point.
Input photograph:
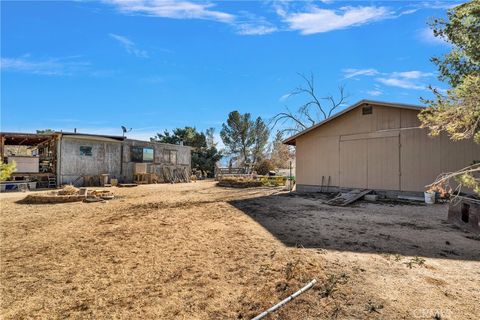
x=155 y=65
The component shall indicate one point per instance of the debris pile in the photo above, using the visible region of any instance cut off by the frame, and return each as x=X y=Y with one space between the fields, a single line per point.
x=69 y=194
x=68 y=190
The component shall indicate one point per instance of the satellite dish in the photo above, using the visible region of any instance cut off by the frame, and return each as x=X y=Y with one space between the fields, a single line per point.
x=125 y=130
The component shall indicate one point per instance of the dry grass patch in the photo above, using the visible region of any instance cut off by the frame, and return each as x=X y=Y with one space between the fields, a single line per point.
x=184 y=251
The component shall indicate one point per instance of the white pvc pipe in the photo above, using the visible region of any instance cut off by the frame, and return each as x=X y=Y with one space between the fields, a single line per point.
x=286 y=300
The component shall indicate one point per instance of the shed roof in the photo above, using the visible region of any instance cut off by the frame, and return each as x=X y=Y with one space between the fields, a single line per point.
x=22 y=138
x=292 y=139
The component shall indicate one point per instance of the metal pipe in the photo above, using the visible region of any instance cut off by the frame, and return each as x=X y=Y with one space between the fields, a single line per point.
x=286 y=300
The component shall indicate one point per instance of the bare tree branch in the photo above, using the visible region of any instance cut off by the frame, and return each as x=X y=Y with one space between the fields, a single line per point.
x=306 y=114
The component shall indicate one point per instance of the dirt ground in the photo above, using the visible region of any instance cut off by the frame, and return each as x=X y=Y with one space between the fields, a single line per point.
x=197 y=251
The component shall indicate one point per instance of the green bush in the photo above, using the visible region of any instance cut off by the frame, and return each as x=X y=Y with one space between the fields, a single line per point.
x=6 y=170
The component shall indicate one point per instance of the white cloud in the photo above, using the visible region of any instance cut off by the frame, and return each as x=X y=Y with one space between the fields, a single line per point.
x=49 y=66
x=375 y=92
x=351 y=73
x=440 y=4
x=426 y=35
x=244 y=23
x=173 y=9
x=413 y=79
x=406 y=79
x=129 y=46
x=247 y=23
x=414 y=74
x=254 y=29
x=401 y=83
x=317 y=20
x=410 y=11
x=284 y=97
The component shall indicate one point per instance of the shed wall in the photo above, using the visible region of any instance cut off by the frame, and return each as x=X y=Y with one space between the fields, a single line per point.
x=384 y=150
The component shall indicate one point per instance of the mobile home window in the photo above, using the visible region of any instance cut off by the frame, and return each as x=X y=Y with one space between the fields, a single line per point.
x=147 y=155
x=85 y=151
x=140 y=154
x=170 y=156
x=367 y=110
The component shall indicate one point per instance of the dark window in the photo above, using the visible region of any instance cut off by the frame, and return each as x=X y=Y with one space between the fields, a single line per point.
x=140 y=154
x=367 y=110
x=85 y=151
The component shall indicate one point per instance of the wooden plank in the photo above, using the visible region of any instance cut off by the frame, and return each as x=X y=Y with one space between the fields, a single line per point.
x=347 y=198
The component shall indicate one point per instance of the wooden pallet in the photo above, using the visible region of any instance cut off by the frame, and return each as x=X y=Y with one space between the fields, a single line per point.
x=347 y=198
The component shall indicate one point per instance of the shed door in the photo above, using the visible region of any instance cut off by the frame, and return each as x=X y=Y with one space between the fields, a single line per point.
x=353 y=163
x=372 y=163
x=383 y=163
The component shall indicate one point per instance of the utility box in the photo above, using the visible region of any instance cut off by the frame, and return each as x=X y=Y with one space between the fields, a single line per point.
x=465 y=213
x=25 y=164
x=140 y=168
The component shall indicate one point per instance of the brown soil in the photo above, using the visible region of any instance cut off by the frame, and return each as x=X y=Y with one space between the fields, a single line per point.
x=198 y=251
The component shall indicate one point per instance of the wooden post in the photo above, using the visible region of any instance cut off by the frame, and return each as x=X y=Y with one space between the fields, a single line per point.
x=290 y=177
x=2 y=147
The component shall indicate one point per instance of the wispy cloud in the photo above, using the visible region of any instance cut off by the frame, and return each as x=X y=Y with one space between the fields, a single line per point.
x=449 y=4
x=129 y=46
x=401 y=83
x=375 y=92
x=306 y=18
x=415 y=74
x=244 y=23
x=284 y=97
x=406 y=79
x=352 y=73
x=426 y=35
x=252 y=29
x=413 y=79
x=47 y=66
x=173 y=9
x=318 y=20
x=250 y=24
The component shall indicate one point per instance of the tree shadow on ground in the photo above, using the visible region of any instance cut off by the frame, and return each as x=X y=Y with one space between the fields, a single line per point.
x=408 y=230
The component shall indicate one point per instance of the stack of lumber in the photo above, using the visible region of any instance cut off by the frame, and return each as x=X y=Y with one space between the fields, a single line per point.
x=175 y=174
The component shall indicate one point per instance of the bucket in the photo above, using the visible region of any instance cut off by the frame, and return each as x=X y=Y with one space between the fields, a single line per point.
x=429 y=197
x=32 y=185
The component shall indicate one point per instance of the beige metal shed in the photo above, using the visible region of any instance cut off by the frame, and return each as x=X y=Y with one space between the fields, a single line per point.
x=375 y=145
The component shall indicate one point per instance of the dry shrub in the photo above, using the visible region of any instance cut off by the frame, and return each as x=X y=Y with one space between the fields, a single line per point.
x=239 y=182
x=50 y=198
x=278 y=278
